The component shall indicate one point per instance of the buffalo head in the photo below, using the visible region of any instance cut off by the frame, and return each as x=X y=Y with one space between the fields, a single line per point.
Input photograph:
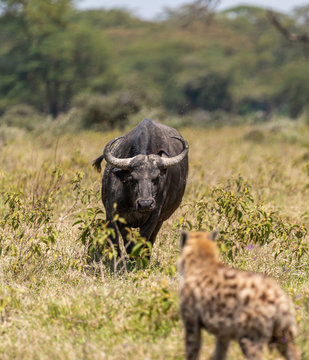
x=143 y=176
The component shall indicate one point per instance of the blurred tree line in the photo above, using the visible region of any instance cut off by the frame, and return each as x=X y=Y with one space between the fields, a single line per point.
x=110 y=63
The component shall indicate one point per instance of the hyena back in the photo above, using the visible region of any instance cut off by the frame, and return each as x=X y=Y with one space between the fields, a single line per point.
x=231 y=304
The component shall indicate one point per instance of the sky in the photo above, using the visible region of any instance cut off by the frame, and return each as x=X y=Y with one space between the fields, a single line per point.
x=152 y=8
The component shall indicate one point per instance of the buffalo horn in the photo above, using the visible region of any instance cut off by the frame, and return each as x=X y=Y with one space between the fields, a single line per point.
x=168 y=162
x=117 y=162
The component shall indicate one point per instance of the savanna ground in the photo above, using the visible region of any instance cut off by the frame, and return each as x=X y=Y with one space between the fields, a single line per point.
x=250 y=183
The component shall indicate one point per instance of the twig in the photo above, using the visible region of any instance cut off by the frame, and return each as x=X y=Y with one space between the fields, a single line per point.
x=304 y=38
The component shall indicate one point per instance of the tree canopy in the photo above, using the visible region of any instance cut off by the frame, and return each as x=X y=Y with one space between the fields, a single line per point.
x=47 y=57
x=234 y=60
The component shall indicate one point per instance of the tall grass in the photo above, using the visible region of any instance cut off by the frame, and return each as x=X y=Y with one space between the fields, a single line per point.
x=57 y=303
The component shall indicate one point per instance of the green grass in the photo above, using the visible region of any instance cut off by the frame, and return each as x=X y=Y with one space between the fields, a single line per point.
x=55 y=304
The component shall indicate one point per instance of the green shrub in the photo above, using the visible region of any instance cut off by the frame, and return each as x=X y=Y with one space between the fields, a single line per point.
x=27 y=230
x=294 y=90
x=8 y=134
x=104 y=112
x=208 y=91
x=244 y=222
x=158 y=314
x=203 y=118
x=22 y=116
x=97 y=237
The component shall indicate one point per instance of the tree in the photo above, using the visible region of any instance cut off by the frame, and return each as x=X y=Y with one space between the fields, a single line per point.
x=208 y=91
x=293 y=92
x=198 y=10
x=290 y=35
x=294 y=89
x=46 y=57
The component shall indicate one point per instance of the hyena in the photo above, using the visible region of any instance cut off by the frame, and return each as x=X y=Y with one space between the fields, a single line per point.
x=231 y=304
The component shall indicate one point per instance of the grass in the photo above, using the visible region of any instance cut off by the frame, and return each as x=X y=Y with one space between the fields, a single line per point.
x=55 y=304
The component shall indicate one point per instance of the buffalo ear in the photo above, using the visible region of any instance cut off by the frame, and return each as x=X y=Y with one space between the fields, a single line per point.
x=183 y=239
x=163 y=171
x=123 y=175
x=163 y=153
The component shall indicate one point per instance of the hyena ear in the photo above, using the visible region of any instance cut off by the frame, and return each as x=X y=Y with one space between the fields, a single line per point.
x=213 y=235
x=183 y=239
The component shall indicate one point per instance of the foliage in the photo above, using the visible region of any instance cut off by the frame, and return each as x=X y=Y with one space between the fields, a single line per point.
x=209 y=92
x=105 y=112
x=46 y=58
x=109 y=18
x=97 y=236
x=158 y=314
x=57 y=292
x=243 y=222
x=294 y=88
x=27 y=230
x=22 y=116
x=190 y=59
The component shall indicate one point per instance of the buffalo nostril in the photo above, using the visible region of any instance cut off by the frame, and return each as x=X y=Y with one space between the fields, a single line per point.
x=145 y=204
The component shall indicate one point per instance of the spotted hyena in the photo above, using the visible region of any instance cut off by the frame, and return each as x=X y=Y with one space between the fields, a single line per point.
x=231 y=304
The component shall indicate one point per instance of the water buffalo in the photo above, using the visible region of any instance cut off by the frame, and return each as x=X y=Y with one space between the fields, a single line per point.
x=145 y=176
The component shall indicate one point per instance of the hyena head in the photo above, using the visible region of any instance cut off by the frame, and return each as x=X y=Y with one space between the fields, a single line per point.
x=196 y=246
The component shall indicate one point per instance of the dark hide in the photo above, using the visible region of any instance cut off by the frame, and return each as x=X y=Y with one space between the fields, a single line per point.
x=145 y=195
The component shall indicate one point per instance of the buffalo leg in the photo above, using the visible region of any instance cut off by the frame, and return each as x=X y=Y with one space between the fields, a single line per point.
x=114 y=238
x=127 y=244
x=120 y=229
x=154 y=234
x=151 y=234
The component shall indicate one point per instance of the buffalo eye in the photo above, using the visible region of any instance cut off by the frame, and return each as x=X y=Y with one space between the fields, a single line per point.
x=155 y=181
x=126 y=180
x=123 y=175
x=162 y=172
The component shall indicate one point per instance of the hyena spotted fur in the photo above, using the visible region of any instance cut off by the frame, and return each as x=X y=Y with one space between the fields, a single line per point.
x=231 y=304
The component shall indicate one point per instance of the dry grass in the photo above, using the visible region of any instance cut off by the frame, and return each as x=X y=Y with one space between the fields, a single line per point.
x=55 y=305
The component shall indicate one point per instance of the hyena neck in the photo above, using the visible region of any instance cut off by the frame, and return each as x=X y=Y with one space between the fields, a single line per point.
x=205 y=264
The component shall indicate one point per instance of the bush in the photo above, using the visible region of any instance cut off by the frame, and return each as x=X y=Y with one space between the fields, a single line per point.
x=259 y=108
x=22 y=116
x=8 y=134
x=294 y=88
x=244 y=222
x=96 y=235
x=202 y=118
x=209 y=91
x=104 y=112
